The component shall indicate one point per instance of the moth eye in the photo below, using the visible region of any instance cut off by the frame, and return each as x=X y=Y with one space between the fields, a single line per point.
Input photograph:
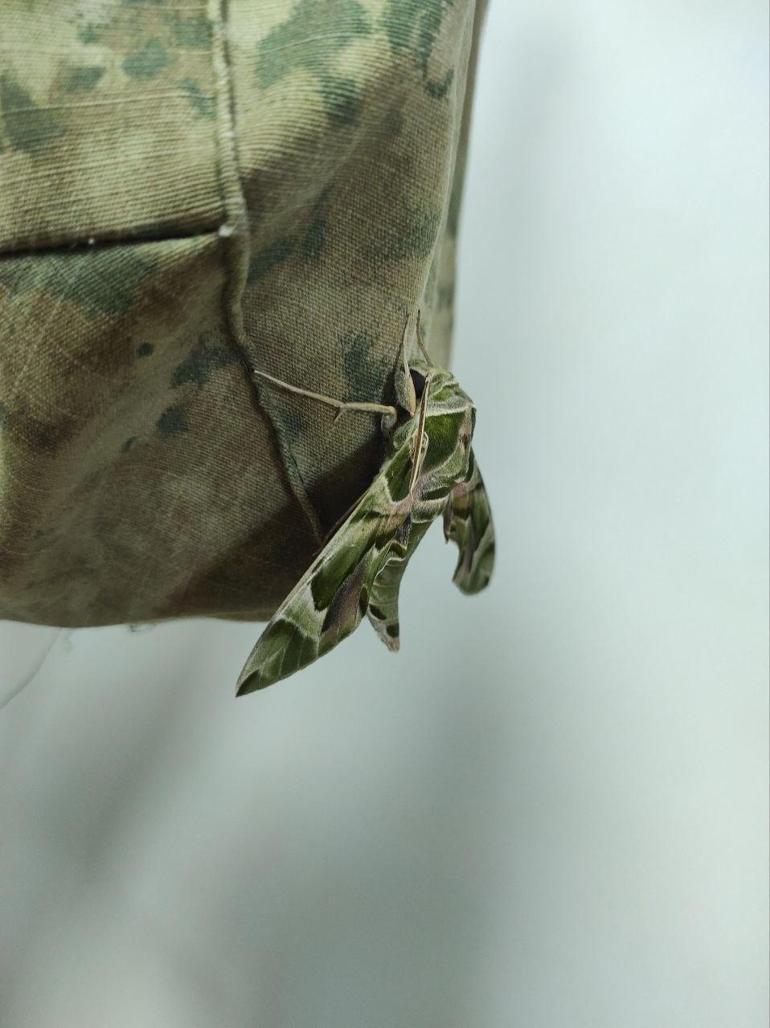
x=418 y=381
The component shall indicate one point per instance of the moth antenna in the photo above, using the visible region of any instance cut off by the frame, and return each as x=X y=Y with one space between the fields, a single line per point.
x=420 y=343
x=420 y=438
x=404 y=357
x=405 y=392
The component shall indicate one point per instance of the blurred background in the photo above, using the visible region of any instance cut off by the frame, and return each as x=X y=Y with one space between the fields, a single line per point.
x=550 y=810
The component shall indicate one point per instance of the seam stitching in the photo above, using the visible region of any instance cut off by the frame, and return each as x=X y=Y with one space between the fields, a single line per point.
x=236 y=244
x=88 y=245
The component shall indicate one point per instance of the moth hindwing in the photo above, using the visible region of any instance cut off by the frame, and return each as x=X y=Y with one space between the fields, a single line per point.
x=429 y=470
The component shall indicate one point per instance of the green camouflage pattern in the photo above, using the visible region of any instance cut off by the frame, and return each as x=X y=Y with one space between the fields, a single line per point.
x=429 y=470
x=194 y=196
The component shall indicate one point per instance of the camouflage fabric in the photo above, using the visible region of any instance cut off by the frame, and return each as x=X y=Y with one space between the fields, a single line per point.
x=189 y=192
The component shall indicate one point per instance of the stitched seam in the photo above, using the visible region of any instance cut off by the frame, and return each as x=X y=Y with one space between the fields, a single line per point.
x=235 y=242
x=104 y=243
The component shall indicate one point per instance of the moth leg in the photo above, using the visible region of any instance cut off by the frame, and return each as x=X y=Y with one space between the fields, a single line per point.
x=340 y=405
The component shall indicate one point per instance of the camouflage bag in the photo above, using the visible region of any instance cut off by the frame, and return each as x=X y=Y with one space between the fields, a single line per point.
x=192 y=195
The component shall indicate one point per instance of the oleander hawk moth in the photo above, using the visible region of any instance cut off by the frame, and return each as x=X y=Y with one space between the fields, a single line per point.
x=429 y=470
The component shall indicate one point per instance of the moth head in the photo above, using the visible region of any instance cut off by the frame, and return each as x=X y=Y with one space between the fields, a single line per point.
x=409 y=383
x=419 y=379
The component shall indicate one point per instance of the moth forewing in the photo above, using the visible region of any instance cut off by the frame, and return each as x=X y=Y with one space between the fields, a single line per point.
x=328 y=602
x=468 y=523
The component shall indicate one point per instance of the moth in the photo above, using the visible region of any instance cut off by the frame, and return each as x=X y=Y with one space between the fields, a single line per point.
x=429 y=471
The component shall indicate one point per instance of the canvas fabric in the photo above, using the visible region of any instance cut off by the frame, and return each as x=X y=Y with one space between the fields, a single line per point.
x=189 y=192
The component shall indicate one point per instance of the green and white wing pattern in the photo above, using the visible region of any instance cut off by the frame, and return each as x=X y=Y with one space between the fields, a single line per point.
x=468 y=522
x=430 y=470
x=328 y=602
x=330 y=599
x=383 y=598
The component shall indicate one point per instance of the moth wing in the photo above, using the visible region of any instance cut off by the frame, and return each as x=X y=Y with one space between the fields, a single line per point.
x=468 y=522
x=383 y=596
x=328 y=602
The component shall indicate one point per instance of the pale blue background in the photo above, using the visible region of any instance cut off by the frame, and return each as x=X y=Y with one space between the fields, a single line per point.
x=549 y=810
